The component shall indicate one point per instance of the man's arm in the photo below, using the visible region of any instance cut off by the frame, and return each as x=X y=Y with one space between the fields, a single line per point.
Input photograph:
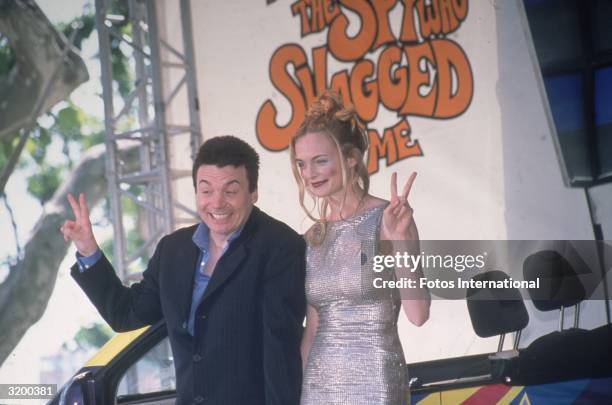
x=284 y=307
x=122 y=307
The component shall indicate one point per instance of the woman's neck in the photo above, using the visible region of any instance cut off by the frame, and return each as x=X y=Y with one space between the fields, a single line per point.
x=341 y=207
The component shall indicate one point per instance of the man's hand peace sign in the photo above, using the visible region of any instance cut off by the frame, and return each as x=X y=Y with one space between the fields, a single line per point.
x=79 y=231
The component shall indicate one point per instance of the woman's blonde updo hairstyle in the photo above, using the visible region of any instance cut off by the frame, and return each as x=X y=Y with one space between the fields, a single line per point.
x=327 y=115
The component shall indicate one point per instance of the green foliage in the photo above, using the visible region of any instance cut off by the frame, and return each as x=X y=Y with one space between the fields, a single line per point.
x=83 y=26
x=133 y=242
x=69 y=121
x=106 y=246
x=93 y=336
x=119 y=7
x=37 y=144
x=131 y=221
x=43 y=184
x=93 y=139
x=67 y=129
x=120 y=69
x=76 y=127
x=6 y=148
x=7 y=56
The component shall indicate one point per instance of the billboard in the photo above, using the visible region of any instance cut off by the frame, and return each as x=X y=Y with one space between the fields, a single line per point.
x=450 y=89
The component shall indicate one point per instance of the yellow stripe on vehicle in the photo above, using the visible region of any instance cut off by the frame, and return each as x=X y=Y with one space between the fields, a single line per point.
x=457 y=396
x=510 y=395
x=431 y=399
x=113 y=347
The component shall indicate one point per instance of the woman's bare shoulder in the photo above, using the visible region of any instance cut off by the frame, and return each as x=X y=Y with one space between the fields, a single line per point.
x=371 y=201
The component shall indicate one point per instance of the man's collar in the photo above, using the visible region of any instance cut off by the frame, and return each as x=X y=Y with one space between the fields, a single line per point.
x=201 y=235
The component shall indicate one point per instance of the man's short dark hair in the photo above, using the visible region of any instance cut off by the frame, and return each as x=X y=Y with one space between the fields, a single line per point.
x=227 y=150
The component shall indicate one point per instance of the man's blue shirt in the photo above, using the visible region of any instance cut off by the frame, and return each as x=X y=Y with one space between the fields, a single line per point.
x=201 y=239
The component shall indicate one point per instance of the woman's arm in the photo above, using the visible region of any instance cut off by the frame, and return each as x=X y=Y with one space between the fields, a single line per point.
x=399 y=228
x=415 y=301
x=312 y=323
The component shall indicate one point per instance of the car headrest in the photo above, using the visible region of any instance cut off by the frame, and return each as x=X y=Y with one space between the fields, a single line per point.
x=559 y=285
x=494 y=311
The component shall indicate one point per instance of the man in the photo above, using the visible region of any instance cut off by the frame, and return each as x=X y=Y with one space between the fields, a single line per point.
x=230 y=289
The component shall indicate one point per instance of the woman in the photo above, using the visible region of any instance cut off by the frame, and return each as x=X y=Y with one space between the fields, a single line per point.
x=350 y=349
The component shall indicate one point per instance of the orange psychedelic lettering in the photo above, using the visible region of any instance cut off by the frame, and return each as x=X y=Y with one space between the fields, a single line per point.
x=315 y=15
x=418 y=71
x=396 y=144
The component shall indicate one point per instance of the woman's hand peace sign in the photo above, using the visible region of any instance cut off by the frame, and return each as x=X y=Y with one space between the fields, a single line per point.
x=397 y=221
x=79 y=231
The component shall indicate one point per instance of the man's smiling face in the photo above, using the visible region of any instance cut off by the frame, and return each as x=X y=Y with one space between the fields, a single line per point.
x=223 y=199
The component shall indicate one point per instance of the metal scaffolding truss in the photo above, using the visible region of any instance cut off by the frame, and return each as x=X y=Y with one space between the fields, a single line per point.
x=139 y=121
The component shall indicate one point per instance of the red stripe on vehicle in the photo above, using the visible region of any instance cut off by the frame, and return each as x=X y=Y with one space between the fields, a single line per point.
x=489 y=394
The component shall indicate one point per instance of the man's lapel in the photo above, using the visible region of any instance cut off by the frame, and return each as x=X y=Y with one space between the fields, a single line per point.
x=185 y=268
x=226 y=266
x=233 y=258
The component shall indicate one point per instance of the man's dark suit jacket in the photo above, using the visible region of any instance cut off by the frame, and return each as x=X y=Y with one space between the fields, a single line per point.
x=248 y=325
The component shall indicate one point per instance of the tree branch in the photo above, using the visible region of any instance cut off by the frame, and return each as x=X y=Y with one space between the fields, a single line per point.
x=46 y=62
x=26 y=291
x=13 y=159
x=38 y=105
x=13 y=223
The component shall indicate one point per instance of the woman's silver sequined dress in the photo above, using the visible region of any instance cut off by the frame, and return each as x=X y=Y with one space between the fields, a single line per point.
x=356 y=357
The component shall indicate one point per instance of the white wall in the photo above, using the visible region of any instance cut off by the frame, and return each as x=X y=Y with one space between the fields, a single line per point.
x=490 y=173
